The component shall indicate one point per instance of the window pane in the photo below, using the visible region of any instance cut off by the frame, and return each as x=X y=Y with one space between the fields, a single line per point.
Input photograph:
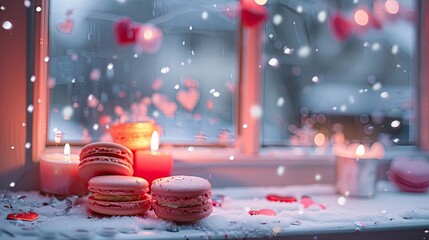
x=340 y=67
x=170 y=61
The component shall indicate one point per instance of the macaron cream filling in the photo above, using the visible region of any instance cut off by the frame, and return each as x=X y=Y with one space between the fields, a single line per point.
x=181 y=202
x=116 y=198
x=105 y=158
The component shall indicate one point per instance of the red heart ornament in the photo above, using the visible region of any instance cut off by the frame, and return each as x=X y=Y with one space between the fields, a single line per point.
x=125 y=31
x=252 y=13
x=24 y=216
x=66 y=26
x=217 y=200
x=265 y=211
x=306 y=202
x=341 y=28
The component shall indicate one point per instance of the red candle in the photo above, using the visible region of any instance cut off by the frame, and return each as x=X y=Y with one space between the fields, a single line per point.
x=152 y=164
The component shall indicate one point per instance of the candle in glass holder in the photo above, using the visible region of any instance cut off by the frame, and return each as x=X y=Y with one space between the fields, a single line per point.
x=152 y=164
x=135 y=136
x=356 y=169
x=59 y=173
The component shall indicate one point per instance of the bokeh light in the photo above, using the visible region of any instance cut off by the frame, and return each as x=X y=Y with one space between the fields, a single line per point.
x=361 y=17
x=392 y=6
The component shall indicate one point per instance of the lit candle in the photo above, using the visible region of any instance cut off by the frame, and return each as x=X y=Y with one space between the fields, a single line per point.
x=356 y=169
x=58 y=173
x=152 y=164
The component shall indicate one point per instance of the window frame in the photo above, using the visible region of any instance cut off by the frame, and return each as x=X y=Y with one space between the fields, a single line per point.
x=252 y=145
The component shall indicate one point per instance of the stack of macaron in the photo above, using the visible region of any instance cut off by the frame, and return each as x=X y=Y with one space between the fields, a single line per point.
x=108 y=169
x=410 y=174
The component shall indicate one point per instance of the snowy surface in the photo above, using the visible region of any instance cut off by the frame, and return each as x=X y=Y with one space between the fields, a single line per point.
x=69 y=218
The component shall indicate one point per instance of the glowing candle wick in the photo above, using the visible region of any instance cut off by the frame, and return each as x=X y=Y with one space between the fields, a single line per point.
x=154 y=142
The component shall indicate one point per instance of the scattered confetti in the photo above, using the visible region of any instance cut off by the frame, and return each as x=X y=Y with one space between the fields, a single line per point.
x=217 y=200
x=265 y=211
x=278 y=198
x=25 y=216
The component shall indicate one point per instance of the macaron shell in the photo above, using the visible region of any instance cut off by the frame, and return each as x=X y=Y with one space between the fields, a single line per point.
x=188 y=214
x=417 y=168
x=118 y=185
x=180 y=186
x=119 y=208
x=92 y=169
x=106 y=149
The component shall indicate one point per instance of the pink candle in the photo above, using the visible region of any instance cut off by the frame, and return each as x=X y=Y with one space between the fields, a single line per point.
x=58 y=173
x=152 y=164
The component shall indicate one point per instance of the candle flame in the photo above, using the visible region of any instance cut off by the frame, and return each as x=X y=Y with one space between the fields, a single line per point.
x=154 y=142
x=67 y=152
x=360 y=150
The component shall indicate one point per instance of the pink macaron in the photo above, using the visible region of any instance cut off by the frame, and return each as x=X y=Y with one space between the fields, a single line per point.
x=105 y=158
x=410 y=174
x=181 y=198
x=119 y=195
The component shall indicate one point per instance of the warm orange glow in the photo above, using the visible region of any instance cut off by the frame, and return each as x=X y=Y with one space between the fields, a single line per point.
x=361 y=17
x=319 y=139
x=148 y=34
x=360 y=150
x=392 y=6
x=154 y=141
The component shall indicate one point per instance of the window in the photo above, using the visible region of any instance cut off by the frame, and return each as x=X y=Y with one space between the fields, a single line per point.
x=345 y=67
x=329 y=68
x=118 y=61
